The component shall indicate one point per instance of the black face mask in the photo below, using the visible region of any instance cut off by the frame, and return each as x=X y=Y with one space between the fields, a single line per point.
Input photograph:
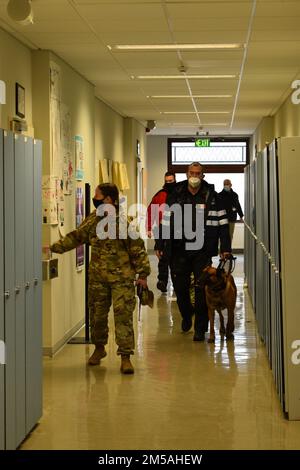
x=169 y=186
x=97 y=202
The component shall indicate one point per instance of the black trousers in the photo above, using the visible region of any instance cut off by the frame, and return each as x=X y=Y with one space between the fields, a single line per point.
x=163 y=269
x=182 y=265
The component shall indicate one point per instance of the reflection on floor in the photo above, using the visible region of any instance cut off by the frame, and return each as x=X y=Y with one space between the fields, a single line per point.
x=184 y=395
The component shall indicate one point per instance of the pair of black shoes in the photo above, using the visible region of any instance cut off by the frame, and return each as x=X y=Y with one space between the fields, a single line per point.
x=186 y=325
x=199 y=337
x=162 y=286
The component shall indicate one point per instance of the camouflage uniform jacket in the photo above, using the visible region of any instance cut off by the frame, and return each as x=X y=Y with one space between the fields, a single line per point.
x=111 y=260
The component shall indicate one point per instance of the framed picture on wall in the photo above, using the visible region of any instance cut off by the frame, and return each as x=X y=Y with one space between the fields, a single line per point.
x=20 y=100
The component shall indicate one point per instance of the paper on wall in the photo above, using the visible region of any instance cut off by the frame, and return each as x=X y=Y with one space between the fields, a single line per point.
x=124 y=182
x=103 y=171
x=79 y=219
x=79 y=158
x=55 y=120
x=109 y=166
x=66 y=147
x=115 y=173
x=53 y=205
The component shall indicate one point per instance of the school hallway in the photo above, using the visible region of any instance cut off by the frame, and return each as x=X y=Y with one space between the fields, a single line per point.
x=183 y=395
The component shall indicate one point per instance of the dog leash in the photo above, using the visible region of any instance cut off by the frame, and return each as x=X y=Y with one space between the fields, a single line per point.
x=222 y=263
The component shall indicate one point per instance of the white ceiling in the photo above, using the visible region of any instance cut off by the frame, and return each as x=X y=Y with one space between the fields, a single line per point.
x=80 y=30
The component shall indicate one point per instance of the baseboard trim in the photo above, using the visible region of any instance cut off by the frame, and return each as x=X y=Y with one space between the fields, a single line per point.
x=51 y=351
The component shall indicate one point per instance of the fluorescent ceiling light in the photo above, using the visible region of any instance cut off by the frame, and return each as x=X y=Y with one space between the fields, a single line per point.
x=194 y=112
x=188 y=96
x=180 y=77
x=214 y=124
x=172 y=47
x=196 y=126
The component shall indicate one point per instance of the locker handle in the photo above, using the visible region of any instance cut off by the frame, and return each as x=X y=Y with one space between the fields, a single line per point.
x=17 y=289
x=27 y=285
x=7 y=294
x=36 y=281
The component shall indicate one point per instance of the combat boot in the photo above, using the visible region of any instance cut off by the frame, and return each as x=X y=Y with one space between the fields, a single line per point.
x=97 y=355
x=126 y=366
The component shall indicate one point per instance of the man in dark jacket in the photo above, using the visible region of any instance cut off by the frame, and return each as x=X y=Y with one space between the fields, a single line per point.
x=154 y=217
x=231 y=204
x=191 y=241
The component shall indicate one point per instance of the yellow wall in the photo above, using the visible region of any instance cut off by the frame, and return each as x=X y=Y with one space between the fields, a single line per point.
x=15 y=66
x=133 y=131
x=109 y=133
x=287 y=120
x=106 y=134
x=263 y=134
x=68 y=310
x=285 y=123
x=63 y=304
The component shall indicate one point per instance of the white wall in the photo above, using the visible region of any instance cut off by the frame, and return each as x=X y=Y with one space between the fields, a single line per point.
x=157 y=164
x=15 y=66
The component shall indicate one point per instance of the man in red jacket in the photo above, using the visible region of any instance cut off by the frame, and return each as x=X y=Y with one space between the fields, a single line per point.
x=154 y=217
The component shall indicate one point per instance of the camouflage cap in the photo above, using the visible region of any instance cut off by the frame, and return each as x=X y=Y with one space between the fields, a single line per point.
x=145 y=295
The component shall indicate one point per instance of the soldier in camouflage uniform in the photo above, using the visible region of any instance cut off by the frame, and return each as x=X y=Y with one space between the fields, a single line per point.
x=113 y=268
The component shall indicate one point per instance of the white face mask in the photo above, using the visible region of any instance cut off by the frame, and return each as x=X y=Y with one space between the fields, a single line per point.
x=194 y=182
x=227 y=188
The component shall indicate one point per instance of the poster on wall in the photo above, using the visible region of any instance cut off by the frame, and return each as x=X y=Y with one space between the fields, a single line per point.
x=124 y=182
x=55 y=120
x=79 y=219
x=53 y=202
x=103 y=171
x=115 y=174
x=49 y=202
x=79 y=158
x=60 y=203
x=66 y=147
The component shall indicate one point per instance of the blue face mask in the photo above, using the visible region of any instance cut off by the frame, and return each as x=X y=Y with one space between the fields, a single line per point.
x=97 y=202
x=227 y=188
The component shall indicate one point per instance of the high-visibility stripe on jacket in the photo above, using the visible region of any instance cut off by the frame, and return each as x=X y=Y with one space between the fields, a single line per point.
x=215 y=220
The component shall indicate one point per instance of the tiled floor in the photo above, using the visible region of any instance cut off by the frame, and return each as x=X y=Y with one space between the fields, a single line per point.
x=183 y=395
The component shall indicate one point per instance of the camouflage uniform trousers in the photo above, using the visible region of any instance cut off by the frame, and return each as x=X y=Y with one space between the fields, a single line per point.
x=122 y=295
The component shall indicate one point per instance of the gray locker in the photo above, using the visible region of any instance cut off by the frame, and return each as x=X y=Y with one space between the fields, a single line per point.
x=19 y=192
x=34 y=316
x=2 y=335
x=276 y=252
x=20 y=287
x=9 y=288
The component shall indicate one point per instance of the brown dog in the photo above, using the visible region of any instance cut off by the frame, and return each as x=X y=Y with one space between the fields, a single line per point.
x=220 y=292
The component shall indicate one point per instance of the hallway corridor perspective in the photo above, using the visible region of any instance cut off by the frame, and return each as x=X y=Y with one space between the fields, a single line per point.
x=183 y=395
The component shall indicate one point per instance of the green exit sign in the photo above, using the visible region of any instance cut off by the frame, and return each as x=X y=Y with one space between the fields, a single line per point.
x=202 y=143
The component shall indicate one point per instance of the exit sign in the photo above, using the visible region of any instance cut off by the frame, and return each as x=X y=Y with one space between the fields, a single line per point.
x=202 y=143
